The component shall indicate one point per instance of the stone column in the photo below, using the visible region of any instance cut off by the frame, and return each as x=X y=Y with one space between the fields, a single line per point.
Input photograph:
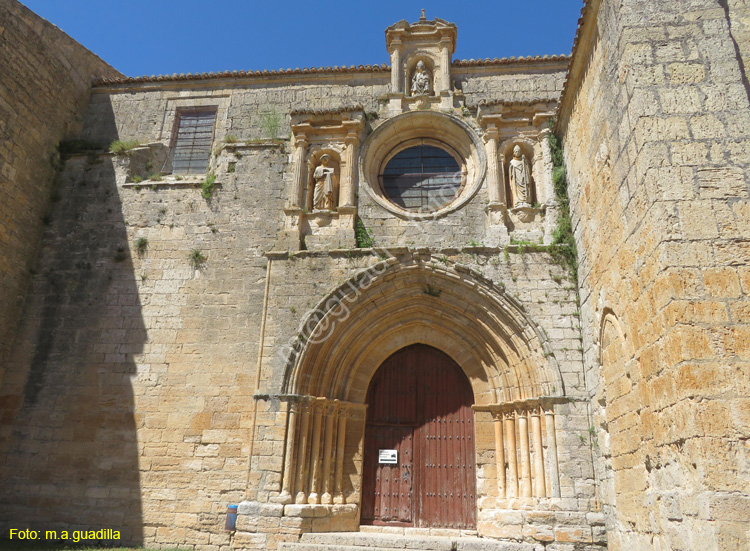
x=340 y=441
x=510 y=439
x=523 y=448
x=397 y=83
x=287 y=481
x=445 y=66
x=496 y=193
x=300 y=172
x=302 y=467
x=536 y=438
x=346 y=195
x=326 y=498
x=554 y=474
x=499 y=453
x=314 y=498
x=549 y=185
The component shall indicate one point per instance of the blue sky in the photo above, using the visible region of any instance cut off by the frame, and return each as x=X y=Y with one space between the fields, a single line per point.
x=145 y=37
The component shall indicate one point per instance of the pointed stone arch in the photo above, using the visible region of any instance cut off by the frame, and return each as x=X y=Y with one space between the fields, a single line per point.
x=394 y=304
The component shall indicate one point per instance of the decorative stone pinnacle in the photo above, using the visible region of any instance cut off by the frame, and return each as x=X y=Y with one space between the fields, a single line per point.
x=422 y=17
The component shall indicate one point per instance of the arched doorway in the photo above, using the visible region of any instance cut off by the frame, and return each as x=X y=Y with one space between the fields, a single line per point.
x=419 y=466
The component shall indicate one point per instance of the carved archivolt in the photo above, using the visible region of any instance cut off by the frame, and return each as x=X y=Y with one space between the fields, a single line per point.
x=394 y=304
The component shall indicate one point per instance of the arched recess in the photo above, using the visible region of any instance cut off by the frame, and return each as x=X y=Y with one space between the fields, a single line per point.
x=391 y=305
x=314 y=156
x=396 y=303
x=532 y=150
x=427 y=58
x=619 y=422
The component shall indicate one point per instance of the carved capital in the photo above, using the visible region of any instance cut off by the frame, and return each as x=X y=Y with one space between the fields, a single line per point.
x=300 y=141
x=491 y=133
x=395 y=45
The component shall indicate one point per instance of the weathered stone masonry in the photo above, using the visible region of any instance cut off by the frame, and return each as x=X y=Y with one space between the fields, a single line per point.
x=189 y=342
x=45 y=90
x=655 y=121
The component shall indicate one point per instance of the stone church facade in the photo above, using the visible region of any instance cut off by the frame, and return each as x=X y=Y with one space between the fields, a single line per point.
x=339 y=299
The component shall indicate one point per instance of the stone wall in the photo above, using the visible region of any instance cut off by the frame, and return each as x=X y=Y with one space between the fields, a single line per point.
x=46 y=85
x=302 y=283
x=655 y=123
x=130 y=390
x=538 y=80
x=145 y=322
x=147 y=388
x=259 y=105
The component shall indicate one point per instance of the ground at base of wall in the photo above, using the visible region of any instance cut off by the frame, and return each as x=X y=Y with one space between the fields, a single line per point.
x=8 y=545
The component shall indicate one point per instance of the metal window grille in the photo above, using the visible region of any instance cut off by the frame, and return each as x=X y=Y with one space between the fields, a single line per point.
x=422 y=178
x=193 y=139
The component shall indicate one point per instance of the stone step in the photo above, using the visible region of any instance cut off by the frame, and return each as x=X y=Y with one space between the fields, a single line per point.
x=495 y=546
x=363 y=541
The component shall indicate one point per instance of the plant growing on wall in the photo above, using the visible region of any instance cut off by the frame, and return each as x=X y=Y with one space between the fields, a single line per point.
x=197 y=259
x=432 y=291
x=119 y=147
x=270 y=123
x=563 y=249
x=362 y=235
x=141 y=244
x=207 y=187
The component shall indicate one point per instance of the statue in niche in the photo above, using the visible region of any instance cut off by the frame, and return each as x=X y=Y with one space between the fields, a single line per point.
x=420 y=82
x=323 y=177
x=519 y=176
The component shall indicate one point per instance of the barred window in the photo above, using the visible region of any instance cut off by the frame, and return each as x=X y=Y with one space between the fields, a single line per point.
x=194 y=134
x=422 y=178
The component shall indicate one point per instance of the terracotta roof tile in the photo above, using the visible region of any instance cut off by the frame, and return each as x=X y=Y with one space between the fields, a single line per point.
x=507 y=60
x=243 y=74
x=383 y=67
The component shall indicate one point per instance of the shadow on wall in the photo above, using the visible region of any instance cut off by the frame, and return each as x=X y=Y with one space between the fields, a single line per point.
x=68 y=446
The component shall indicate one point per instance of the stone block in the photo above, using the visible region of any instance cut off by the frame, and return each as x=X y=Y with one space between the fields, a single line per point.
x=295 y=510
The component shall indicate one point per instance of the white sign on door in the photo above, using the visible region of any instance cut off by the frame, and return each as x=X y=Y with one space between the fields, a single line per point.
x=388 y=457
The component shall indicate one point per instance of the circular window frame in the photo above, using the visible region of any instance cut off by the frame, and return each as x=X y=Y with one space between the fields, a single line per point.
x=416 y=142
x=402 y=131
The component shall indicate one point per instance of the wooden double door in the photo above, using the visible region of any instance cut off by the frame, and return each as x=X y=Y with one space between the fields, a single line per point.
x=419 y=467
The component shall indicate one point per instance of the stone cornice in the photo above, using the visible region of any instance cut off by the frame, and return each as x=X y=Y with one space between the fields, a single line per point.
x=382 y=69
x=322 y=112
x=431 y=30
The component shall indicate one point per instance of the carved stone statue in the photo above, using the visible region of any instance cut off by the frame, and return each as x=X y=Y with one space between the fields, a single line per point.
x=420 y=82
x=323 y=176
x=519 y=176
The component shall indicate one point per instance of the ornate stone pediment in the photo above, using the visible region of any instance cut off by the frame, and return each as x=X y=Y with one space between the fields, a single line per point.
x=420 y=63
